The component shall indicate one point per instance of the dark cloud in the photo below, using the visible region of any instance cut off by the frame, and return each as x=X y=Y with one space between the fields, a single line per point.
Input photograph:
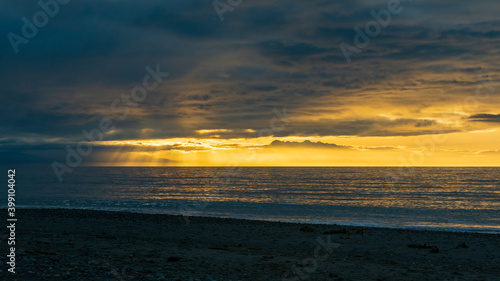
x=365 y=127
x=425 y=123
x=486 y=118
x=231 y=74
x=306 y=143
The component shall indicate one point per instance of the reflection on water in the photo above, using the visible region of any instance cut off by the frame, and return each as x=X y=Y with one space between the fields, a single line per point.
x=463 y=198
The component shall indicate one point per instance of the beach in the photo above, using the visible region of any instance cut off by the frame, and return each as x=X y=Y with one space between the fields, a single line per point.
x=64 y=244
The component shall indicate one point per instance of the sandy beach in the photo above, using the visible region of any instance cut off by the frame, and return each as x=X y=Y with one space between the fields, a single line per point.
x=60 y=244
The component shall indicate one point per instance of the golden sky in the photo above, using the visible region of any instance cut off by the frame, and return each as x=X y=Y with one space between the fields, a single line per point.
x=474 y=148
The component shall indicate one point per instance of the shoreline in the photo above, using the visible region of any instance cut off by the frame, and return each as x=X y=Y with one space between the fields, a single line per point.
x=346 y=224
x=75 y=244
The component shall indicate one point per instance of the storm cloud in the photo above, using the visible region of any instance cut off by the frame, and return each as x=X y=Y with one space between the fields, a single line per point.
x=229 y=75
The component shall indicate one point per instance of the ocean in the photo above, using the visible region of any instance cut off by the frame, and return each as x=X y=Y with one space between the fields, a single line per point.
x=434 y=198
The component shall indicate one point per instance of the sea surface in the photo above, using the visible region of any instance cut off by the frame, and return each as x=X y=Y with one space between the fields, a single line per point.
x=458 y=199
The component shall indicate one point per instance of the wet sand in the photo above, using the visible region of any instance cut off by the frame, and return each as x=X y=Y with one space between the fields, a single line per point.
x=96 y=245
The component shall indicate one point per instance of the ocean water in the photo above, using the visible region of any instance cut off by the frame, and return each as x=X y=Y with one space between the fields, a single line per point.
x=459 y=199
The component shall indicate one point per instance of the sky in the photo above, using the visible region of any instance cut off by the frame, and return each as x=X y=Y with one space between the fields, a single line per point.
x=250 y=83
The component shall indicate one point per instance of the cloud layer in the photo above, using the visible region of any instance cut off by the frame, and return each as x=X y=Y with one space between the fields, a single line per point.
x=419 y=76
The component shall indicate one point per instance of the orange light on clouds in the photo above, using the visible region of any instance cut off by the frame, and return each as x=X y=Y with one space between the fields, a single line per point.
x=474 y=148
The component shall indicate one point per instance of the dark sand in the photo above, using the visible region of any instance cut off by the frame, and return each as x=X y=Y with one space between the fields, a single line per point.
x=95 y=245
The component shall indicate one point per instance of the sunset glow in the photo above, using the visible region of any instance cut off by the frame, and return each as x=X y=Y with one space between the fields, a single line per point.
x=473 y=148
x=275 y=87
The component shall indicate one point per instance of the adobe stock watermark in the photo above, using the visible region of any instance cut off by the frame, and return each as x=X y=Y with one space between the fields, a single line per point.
x=372 y=29
x=223 y=179
x=74 y=157
x=310 y=264
x=49 y=9
x=427 y=147
x=223 y=6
